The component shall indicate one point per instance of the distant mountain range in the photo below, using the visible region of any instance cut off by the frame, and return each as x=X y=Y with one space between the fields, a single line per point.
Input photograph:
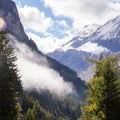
x=92 y=41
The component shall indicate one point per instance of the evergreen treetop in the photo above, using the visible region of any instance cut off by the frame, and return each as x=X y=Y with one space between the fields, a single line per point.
x=10 y=84
x=103 y=102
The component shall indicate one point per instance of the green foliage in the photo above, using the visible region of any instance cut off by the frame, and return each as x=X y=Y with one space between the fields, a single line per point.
x=31 y=115
x=10 y=85
x=19 y=109
x=33 y=110
x=103 y=101
x=51 y=107
x=35 y=106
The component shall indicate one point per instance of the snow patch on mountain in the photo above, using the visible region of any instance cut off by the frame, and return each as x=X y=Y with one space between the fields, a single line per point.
x=87 y=31
x=68 y=46
x=93 y=48
x=84 y=33
x=110 y=29
x=80 y=38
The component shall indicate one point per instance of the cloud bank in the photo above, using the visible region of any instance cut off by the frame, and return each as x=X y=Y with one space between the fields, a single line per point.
x=36 y=73
x=84 y=12
x=34 y=19
x=49 y=43
x=44 y=30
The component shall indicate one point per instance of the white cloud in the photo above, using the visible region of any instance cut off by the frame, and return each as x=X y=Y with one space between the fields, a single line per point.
x=84 y=12
x=93 y=48
x=40 y=77
x=33 y=19
x=46 y=44
x=49 y=43
x=36 y=73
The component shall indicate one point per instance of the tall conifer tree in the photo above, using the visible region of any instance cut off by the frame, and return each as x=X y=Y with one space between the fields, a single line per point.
x=10 y=85
x=103 y=101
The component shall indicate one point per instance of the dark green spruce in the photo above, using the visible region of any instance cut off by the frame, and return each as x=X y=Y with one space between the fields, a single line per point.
x=10 y=84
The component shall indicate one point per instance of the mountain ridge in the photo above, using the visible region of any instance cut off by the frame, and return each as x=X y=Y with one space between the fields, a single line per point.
x=81 y=37
x=104 y=40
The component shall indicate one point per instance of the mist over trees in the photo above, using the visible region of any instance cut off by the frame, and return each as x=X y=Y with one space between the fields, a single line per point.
x=17 y=104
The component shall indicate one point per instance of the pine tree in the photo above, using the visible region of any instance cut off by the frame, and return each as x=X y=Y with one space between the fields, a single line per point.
x=103 y=101
x=10 y=85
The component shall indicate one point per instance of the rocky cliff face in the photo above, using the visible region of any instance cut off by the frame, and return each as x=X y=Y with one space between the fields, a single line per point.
x=9 y=13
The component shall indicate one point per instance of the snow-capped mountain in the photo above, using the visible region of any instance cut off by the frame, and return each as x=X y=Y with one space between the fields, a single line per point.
x=87 y=31
x=81 y=37
x=108 y=35
x=102 y=39
x=110 y=29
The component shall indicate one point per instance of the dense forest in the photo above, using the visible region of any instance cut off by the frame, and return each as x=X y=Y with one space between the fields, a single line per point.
x=103 y=94
x=17 y=104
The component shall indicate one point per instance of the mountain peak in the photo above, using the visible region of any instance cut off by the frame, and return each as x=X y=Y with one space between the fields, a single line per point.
x=81 y=37
x=87 y=30
x=116 y=19
x=109 y=30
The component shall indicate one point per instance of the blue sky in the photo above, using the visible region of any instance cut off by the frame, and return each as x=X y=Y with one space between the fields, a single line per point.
x=51 y=23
